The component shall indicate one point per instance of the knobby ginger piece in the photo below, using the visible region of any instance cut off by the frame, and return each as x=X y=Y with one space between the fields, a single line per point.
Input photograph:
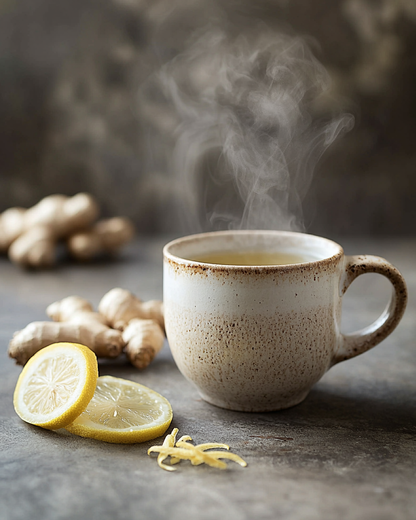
x=142 y=324
x=106 y=236
x=120 y=306
x=183 y=450
x=70 y=307
x=75 y=322
x=79 y=312
x=11 y=226
x=105 y=342
x=34 y=248
x=144 y=340
x=31 y=235
x=63 y=215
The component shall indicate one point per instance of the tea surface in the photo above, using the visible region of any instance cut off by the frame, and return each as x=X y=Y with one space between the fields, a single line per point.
x=250 y=258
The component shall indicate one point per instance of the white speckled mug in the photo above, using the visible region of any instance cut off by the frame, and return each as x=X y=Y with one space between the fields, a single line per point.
x=257 y=338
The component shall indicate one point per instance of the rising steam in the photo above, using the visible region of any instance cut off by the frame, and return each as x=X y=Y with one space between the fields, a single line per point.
x=247 y=129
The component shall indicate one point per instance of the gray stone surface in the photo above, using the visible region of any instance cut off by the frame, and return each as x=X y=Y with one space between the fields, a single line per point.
x=347 y=452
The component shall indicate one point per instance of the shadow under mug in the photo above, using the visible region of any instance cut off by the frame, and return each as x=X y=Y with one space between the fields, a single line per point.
x=257 y=338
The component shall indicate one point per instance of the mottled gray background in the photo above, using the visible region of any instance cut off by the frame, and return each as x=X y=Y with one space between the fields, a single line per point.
x=71 y=119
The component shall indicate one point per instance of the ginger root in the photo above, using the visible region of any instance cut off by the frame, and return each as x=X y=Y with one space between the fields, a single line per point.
x=63 y=215
x=40 y=334
x=120 y=306
x=36 y=247
x=11 y=226
x=144 y=340
x=106 y=236
x=74 y=320
x=107 y=342
x=142 y=324
x=30 y=236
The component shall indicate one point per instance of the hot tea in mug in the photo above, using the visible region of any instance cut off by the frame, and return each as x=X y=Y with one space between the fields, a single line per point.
x=253 y=317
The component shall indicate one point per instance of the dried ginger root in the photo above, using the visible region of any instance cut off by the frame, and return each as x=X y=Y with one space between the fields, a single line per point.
x=120 y=306
x=11 y=226
x=142 y=324
x=183 y=450
x=106 y=236
x=36 y=247
x=144 y=340
x=30 y=236
x=63 y=215
x=78 y=311
x=74 y=321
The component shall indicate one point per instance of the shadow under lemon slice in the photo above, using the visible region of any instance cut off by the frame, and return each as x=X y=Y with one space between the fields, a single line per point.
x=123 y=411
x=56 y=385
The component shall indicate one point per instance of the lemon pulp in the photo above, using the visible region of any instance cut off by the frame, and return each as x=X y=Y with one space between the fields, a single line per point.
x=56 y=385
x=123 y=411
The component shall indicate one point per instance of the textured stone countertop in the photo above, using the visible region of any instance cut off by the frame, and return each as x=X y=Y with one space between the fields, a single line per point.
x=348 y=451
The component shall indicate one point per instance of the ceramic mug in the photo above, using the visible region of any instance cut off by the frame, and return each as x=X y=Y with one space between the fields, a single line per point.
x=257 y=338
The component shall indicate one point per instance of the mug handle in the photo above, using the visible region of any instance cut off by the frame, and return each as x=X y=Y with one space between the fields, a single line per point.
x=352 y=345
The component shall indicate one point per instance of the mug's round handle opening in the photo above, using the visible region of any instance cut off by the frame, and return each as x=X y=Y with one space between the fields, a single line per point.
x=352 y=345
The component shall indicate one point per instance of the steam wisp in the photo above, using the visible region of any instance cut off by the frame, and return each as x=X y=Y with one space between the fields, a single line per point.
x=249 y=130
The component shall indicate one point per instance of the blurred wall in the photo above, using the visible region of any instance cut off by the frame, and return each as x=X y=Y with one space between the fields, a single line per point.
x=71 y=118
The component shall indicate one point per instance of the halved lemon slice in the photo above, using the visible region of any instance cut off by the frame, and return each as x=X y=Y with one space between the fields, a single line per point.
x=122 y=411
x=56 y=385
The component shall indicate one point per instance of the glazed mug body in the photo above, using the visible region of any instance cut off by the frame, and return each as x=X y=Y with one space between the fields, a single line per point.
x=257 y=338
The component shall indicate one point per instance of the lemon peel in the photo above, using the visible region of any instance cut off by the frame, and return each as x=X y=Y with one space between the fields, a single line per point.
x=56 y=385
x=122 y=411
x=197 y=454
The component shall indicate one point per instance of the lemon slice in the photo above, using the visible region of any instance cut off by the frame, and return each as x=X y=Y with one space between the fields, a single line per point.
x=122 y=411
x=56 y=385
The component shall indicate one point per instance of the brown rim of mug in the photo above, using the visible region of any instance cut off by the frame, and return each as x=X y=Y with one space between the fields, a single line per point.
x=177 y=260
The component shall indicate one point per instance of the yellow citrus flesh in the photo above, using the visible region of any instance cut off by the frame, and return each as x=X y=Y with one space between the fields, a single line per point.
x=56 y=385
x=122 y=411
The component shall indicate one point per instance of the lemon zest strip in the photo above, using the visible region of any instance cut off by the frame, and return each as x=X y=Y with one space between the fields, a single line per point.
x=175 y=460
x=197 y=455
x=169 y=442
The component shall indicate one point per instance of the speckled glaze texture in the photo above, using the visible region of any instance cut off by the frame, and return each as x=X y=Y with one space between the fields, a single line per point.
x=257 y=338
